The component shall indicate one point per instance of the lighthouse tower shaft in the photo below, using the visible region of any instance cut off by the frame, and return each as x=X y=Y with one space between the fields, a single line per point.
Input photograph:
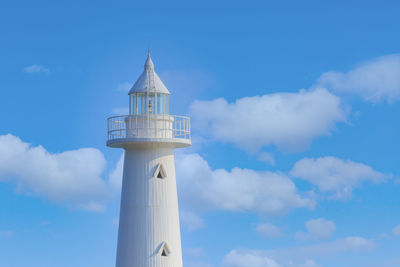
x=149 y=231
x=149 y=216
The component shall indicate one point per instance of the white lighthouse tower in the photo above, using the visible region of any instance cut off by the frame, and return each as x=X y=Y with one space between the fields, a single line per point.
x=149 y=232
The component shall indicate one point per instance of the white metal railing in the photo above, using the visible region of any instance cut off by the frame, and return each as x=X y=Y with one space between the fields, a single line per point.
x=148 y=126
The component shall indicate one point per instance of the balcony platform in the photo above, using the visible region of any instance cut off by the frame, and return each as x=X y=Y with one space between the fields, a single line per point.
x=128 y=130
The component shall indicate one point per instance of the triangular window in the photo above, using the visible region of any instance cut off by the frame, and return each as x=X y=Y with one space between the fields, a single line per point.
x=164 y=253
x=160 y=172
x=164 y=250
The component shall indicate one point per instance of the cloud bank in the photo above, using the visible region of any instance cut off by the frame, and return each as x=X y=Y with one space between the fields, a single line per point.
x=243 y=190
x=75 y=178
x=289 y=121
x=71 y=177
x=203 y=189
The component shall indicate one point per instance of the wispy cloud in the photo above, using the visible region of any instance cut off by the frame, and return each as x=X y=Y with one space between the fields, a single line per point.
x=237 y=258
x=317 y=229
x=266 y=157
x=45 y=223
x=36 y=69
x=396 y=230
x=191 y=221
x=198 y=264
x=297 y=256
x=375 y=81
x=268 y=230
x=335 y=175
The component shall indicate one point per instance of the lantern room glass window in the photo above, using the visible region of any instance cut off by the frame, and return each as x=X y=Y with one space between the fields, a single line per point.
x=148 y=103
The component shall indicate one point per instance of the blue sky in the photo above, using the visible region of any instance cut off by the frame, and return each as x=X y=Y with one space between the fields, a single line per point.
x=295 y=111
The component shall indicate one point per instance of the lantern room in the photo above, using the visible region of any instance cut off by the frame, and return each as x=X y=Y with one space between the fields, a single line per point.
x=148 y=95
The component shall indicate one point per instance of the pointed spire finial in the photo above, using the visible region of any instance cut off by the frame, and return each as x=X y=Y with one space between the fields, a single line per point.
x=149 y=80
x=149 y=63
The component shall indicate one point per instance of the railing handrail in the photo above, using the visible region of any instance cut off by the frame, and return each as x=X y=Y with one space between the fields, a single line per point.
x=157 y=126
x=149 y=115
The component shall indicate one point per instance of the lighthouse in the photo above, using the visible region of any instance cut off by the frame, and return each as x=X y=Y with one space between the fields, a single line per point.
x=149 y=231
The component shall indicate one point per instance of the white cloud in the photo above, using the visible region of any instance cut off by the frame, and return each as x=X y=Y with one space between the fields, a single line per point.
x=384 y=236
x=202 y=188
x=124 y=87
x=198 y=264
x=396 y=230
x=322 y=250
x=308 y=263
x=297 y=256
x=36 y=69
x=386 y=263
x=268 y=230
x=267 y=158
x=317 y=229
x=71 y=177
x=289 y=121
x=377 y=80
x=237 y=258
x=191 y=221
x=334 y=175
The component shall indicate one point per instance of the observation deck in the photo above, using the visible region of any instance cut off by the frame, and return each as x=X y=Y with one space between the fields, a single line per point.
x=148 y=128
